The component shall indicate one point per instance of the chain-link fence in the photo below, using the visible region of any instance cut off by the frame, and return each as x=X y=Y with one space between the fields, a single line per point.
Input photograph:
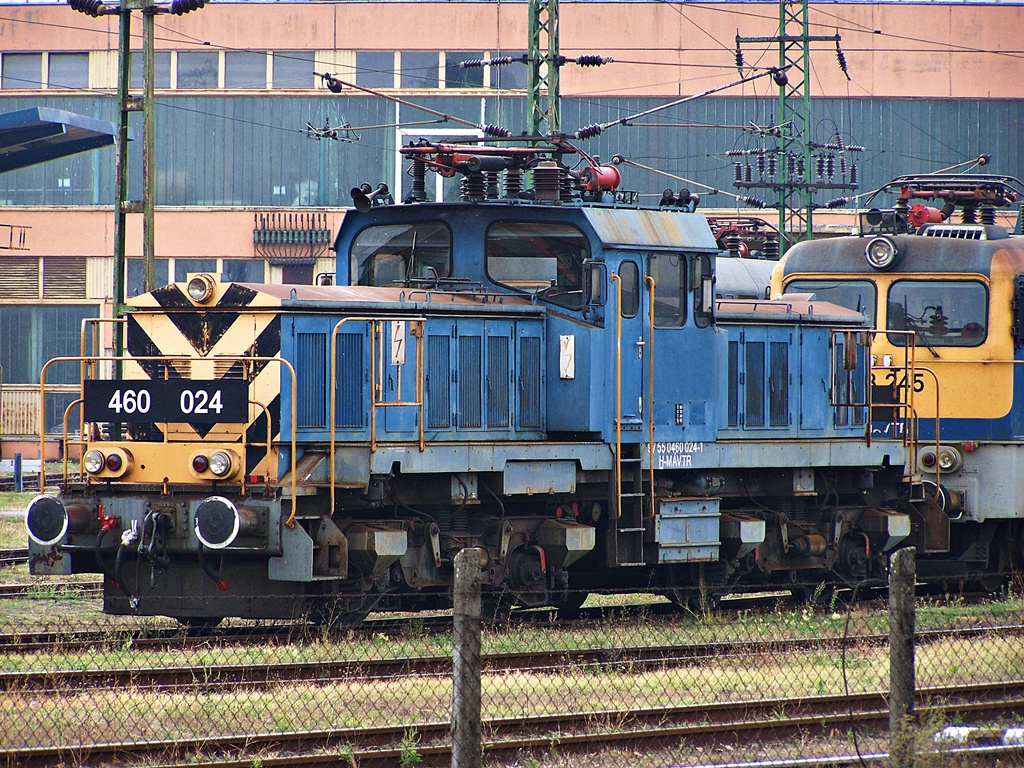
x=758 y=680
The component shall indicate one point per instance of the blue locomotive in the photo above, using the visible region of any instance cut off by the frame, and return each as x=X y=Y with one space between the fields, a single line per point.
x=945 y=287
x=540 y=370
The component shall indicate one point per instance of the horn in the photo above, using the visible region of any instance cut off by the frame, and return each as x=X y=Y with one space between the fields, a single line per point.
x=364 y=199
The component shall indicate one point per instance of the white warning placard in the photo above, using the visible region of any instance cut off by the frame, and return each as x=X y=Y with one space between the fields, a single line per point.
x=398 y=329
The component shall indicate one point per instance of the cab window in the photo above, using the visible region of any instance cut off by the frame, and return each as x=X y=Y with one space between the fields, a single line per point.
x=669 y=273
x=541 y=258
x=858 y=295
x=395 y=253
x=940 y=313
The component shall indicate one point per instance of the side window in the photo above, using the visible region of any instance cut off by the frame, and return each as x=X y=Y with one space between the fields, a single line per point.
x=419 y=69
x=375 y=69
x=629 y=273
x=940 y=313
x=538 y=258
x=669 y=273
x=394 y=253
x=703 y=289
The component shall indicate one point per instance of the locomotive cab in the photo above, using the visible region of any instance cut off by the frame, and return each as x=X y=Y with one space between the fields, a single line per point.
x=941 y=290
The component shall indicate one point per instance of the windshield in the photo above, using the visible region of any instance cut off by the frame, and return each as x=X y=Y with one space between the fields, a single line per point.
x=941 y=313
x=858 y=295
x=541 y=258
x=395 y=253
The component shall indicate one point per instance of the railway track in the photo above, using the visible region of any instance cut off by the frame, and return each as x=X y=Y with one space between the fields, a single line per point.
x=702 y=725
x=13 y=556
x=211 y=677
x=50 y=590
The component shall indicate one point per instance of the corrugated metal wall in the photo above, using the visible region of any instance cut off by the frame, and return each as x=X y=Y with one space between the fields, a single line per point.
x=244 y=150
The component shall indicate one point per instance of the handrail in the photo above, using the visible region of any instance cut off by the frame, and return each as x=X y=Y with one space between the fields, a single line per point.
x=650 y=283
x=614 y=277
x=89 y=360
x=376 y=331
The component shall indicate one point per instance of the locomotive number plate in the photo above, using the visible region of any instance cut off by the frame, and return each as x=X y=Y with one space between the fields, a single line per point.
x=171 y=400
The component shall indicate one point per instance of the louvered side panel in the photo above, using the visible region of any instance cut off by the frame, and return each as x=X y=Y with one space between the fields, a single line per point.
x=64 y=278
x=21 y=277
x=311 y=370
x=497 y=381
x=349 y=382
x=439 y=373
x=470 y=372
x=529 y=383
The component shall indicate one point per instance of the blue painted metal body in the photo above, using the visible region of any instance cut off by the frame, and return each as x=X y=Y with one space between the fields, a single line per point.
x=492 y=366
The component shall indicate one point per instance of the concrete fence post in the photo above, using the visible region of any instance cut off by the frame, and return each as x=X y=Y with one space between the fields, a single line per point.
x=467 y=740
x=902 y=576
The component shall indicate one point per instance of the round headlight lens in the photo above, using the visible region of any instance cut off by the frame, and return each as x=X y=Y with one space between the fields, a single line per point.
x=200 y=463
x=949 y=460
x=93 y=461
x=220 y=463
x=881 y=252
x=200 y=288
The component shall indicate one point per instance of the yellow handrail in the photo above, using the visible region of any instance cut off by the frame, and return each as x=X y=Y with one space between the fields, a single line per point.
x=618 y=392
x=650 y=283
x=376 y=330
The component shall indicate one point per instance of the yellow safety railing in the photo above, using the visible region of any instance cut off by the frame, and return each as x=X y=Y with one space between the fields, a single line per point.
x=376 y=380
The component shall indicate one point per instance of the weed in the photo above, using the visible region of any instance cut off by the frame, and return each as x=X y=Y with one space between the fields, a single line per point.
x=410 y=755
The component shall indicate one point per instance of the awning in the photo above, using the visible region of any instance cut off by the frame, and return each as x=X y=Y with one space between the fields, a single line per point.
x=31 y=136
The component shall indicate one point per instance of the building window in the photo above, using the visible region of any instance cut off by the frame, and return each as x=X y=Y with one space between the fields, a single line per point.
x=375 y=69
x=161 y=75
x=457 y=77
x=245 y=69
x=134 y=279
x=509 y=76
x=22 y=70
x=419 y=69
x=185 y=267
x=68 y=70
x=197 y=69
x=293 y=69
x=242 y=270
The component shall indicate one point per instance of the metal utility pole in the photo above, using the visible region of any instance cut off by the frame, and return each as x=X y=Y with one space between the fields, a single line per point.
x=129 y=104
x=794 y=180
x=543 y=62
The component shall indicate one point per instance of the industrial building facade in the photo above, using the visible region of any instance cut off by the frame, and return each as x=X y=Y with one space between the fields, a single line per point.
x=249 y=140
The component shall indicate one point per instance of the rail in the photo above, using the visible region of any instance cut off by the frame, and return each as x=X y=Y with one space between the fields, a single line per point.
x=86 y=361
x=376 y=325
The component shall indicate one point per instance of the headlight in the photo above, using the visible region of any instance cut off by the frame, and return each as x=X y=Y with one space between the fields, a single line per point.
x=220 y=463
x=881 y=252
x=200 y=288
x=949 y=459
x=93 y=461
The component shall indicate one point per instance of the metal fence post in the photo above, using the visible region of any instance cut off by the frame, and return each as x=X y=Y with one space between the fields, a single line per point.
x=19 y=481
x=467 y=741
x=902 y=575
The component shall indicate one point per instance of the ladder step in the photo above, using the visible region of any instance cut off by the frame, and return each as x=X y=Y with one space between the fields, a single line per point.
x=627 y=565
x=630 y=530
